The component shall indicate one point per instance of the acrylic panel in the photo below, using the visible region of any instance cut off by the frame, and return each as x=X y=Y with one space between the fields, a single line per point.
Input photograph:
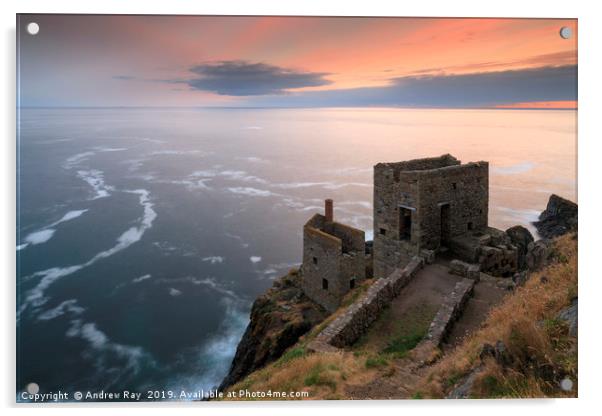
x=295 y=208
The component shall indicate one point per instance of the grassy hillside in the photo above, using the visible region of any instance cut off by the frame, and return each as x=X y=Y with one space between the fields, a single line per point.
x=538 y=351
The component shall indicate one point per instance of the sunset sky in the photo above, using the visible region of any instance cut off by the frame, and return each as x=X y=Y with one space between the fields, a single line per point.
x=296 y=62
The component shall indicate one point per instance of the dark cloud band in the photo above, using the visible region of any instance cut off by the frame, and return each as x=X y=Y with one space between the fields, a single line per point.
x=241 y=78
x=486 y=89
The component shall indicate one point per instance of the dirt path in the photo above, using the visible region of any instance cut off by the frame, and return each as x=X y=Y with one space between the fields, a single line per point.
x=486 y=295
x=415 y=307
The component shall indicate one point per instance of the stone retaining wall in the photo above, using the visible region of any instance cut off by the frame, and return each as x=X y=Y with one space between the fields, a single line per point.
x=357 y=318
x=449 y=311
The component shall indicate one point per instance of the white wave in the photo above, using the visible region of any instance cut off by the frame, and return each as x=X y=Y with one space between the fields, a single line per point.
x=241 y=175
x=524 y=216
x=351 y=170
x=272 y=271
x=208 y=281
x=64 y=307
x=251 y=128
x=36 y=296
x=40 y=237
x=176 y=152
x=203 y=174
x=110 y=149
x=237 y=238
x=190 y=184
x=95 y=178
x=363 y=204
x=165 y=246
x=251 y=191
x=212 y=283
x=312 y=208
x=174 y=292
x=141 y=278
x=210 y=363
x=69 y=216
x=46 y=233
x=75 y=160
x=131 y=359
x=357 y=221
x=213 y=259
x=325 y=185
x=255 y=259
x=513 y=169
x=53 y=141
x=344 y=185
x=253 y=159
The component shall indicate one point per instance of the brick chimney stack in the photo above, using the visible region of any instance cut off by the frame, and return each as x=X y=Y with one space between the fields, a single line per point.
x=328 y=210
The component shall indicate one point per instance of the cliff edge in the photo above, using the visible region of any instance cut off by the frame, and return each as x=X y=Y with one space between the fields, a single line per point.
x=278 y=318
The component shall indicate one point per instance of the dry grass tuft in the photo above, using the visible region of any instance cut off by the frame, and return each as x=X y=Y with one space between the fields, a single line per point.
x=323 y=376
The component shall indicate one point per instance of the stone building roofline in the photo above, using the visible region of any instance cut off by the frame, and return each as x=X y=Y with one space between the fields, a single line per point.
x=427 y=163
x=426 y=166
x=318 y=220
x=335 y=233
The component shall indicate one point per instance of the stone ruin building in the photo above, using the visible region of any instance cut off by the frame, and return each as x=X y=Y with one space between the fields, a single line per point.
x=333 y=259
x=422 y=208
x=433 y=205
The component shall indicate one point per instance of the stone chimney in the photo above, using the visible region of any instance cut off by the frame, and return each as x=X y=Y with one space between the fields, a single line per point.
x=328 y=210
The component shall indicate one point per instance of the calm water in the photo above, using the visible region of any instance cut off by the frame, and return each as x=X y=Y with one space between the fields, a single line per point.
x=144 y=235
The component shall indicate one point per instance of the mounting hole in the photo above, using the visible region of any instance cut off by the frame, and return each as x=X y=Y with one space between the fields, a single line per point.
x=33 y=28
x=566 y=32
x=32 y=388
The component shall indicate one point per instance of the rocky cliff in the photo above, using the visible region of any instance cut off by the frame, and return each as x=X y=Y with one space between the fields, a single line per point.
x=278 y=318
x=559 y=217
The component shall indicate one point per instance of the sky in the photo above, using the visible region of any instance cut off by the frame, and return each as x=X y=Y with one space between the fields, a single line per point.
x=242 y=61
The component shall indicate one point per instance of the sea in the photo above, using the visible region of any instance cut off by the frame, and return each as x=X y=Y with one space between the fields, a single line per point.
x=145 y=234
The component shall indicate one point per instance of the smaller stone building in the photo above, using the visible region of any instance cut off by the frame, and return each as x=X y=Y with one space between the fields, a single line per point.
x=333 y=259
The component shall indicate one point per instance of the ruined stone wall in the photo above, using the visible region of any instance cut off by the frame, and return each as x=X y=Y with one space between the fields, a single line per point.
x=389 y=251
x=465 y=188
x=354 y=240
x=334 y=252
x=357 y=318
x=449 y=311
x=321 y=260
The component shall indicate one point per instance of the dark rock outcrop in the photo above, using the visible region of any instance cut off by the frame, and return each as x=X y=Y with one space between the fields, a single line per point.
x=278 y=318
x=521 y=238
x=559 y=217
x=538 y=254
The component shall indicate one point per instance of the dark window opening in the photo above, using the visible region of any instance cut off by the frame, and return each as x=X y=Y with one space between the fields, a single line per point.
x=324 y=284
x=480 y=211
x=445 y=224
x=351 y=283
x=383 y=231
x=454 y=185
x=405 y=223
x=469 y=225
x=315 y=260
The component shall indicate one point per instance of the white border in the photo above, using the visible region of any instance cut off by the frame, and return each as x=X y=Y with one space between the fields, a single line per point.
x=590 y=203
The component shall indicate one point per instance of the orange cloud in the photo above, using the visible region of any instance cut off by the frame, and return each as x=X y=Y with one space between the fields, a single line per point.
x=561 y=105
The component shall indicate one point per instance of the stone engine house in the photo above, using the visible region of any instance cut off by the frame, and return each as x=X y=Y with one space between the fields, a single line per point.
x=333 y=259
x=425 y=204
x=422 y=207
